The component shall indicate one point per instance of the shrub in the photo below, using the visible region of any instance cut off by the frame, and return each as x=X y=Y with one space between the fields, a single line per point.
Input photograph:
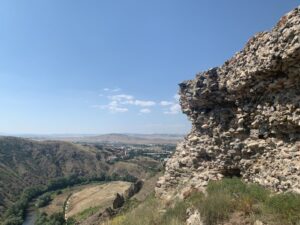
x=13 y=221
x=55 y=219
x=43 y=200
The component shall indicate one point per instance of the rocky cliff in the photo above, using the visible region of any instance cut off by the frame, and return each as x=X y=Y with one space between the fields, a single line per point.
x=245 y=117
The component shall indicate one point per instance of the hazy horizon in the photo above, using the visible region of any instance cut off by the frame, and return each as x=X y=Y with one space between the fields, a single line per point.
x=85 y=134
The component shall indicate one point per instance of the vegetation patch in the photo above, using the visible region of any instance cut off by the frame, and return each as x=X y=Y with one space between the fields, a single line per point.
x=86 y=213
x=54 y=219
x=90 y=200
x=15 y=214
x=223 y=199
x=43 y=200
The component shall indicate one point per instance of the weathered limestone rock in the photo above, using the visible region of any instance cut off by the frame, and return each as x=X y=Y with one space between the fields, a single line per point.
x=194 y=217
x=245 y=116
x=258 y=222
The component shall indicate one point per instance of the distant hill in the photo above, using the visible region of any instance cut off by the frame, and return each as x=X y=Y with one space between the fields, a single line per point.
x=116 y=138
x=25 y=163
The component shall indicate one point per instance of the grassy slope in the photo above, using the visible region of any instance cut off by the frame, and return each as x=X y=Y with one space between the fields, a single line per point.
x=96 y=196
x=25 y=163
x=227 y=202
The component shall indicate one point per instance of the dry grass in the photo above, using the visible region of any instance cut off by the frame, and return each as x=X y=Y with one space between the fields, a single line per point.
x=148 y=187
x=229 y=201
x=56 y=205
x=96 y=196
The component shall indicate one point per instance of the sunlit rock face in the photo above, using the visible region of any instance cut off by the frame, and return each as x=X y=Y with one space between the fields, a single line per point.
x=245 y=117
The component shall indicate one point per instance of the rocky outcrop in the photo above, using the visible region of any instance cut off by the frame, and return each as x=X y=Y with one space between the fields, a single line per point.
x=118 y=201
x=133 y=189
x=193 y=217
x=245 y=117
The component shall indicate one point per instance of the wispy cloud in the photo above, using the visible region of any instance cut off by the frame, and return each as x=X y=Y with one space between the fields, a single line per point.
x=142 y=103
x=176 y=97
x=121 y=97
x=112 y=89
x=172 y=107
x=120 y=102
x=123 y=102
x=125 y=99
x=113 y=107
x=145 y=110
x=166 y=103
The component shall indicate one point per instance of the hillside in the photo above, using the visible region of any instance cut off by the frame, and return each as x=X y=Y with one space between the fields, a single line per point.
x=25 y=163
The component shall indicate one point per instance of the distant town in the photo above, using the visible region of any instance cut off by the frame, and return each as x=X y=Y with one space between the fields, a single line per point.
x=120 y=152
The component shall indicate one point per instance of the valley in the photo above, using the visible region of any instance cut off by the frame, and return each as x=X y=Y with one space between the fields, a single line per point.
x=47 y=167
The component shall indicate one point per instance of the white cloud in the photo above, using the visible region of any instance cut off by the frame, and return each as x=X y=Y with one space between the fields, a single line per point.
x=112 y=89
x=125 y=99
x=118 y=109
x=116 y=90
x=143 y=103
x=176 y=97
x=174 y=109
x=121 y=97
x=145 y=110
x=119 y=101
x=166 y=103
x=113 y=107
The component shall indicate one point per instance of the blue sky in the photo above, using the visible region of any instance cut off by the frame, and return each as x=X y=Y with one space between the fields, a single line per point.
x=102 y=66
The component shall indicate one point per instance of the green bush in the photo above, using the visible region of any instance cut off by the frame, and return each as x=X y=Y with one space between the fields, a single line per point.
x=43 y=200
x=13 y=221
x=55 y=219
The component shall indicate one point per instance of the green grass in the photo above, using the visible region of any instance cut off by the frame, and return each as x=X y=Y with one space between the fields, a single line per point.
x=176 y=214
x=86 y=213
x=286 y=207
x=223 y=198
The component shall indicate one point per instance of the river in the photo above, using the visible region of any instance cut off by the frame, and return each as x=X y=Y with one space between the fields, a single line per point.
x=30 y=215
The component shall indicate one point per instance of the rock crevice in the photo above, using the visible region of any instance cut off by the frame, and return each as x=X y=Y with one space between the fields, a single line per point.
x=245 y=117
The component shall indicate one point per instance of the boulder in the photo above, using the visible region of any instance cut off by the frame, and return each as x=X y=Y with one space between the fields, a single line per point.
x=118 y=201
